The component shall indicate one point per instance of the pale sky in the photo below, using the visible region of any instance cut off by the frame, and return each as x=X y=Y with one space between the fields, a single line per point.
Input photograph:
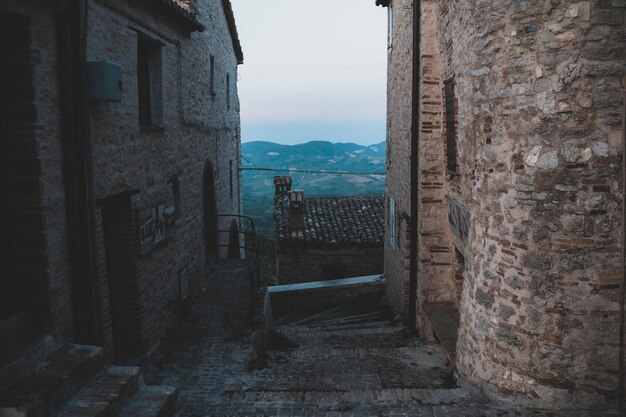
x=313 y=70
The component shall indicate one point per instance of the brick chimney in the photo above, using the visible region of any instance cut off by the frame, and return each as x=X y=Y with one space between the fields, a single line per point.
x=282 y=185
x=296 y=210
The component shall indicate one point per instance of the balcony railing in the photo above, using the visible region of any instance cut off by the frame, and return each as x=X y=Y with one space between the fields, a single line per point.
x=238 y=248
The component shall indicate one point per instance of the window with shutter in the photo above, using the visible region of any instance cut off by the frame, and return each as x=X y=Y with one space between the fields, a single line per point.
x=450 y=115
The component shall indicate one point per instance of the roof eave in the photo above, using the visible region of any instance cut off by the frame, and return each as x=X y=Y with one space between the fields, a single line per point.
x=183 y=15
x=232 y=28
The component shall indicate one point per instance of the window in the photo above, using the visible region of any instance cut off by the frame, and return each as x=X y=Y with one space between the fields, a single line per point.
x=228 y=91
x=212 y=76
x=231 y=178
x=392 y=222
x=176 y=192
x=149 y=81
x=389 y=26
x=450 y=104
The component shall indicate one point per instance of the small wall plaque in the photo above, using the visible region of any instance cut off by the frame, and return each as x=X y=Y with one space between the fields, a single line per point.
x=458 y=216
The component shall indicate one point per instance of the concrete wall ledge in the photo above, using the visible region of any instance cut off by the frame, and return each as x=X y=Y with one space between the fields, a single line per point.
x=328 y=285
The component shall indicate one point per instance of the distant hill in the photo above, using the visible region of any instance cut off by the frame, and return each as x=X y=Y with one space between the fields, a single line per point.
x=258 y=186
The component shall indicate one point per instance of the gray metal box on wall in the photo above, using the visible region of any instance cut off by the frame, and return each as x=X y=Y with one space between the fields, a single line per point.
x=104 y=81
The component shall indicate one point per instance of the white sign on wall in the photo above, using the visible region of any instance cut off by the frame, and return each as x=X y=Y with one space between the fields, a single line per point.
x=154 y=225
x=392 y=222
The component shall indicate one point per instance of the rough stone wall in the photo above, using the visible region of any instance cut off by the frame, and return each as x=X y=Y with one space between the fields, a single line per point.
x=436 y=276
x=42 y=146
x=196 y=126
x=303 y=263
x=539 y=89
x=399 y=61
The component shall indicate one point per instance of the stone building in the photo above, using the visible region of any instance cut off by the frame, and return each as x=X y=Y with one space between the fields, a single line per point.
x=505 y=191
x=120 y=134
x=320 y=238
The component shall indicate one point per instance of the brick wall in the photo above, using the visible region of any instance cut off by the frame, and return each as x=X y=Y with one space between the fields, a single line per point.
x=435 y=276
x=302 y=263
x=436 y=262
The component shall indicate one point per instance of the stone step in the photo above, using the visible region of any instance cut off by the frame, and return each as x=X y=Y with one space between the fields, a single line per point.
x=60 y=376
x=362 y=318
x=106 y=394
x=330 y=313
x=297 y=331
x=152 y=401
x=319 y=353
x=343 y=327
x=352 y=399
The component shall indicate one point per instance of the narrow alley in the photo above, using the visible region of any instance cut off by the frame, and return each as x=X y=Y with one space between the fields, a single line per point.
x=348 y=360
x=395 y=208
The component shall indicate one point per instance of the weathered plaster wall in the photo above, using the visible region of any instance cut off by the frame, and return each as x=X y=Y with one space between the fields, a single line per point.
x=317 y=262
x=539 y=89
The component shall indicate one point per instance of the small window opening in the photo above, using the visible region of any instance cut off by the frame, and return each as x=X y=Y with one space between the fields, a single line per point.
x=459 y=269
x=231 y=178
x=212 y=76
x=176 y=192
x=450 y=110
x=228 y=91
x=149 y=81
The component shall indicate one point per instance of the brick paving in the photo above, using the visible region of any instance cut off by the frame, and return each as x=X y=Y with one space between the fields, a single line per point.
x=348 y=361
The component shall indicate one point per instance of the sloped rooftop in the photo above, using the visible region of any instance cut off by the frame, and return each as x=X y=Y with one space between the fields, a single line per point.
x=334 y=220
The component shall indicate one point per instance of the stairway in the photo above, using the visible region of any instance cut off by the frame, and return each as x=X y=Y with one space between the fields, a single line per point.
x=74 y=381
x=351 y=358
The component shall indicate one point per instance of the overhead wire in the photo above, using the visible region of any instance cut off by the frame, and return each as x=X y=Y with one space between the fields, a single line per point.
x=305 y=171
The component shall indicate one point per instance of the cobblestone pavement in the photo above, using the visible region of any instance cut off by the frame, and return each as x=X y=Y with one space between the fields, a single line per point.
x=347 y=361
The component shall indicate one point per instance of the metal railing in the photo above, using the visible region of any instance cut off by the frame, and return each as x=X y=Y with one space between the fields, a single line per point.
x=248 y=246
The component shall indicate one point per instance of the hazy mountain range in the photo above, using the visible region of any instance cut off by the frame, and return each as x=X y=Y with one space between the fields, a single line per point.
x=258 y=186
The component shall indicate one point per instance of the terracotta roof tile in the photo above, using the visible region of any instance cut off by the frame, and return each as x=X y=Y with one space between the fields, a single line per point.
x=183 y=9
x=334 y=220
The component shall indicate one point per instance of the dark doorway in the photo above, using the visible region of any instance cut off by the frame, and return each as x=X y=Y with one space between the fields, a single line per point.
x=24 y=295
x=209 y=213
x=10 y=297
x=234 y=245
x=126 y=292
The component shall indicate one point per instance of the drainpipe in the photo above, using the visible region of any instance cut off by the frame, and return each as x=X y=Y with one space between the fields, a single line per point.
x=623 y=284
x=415 y=113
x=78 y=174
x=96 y=308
